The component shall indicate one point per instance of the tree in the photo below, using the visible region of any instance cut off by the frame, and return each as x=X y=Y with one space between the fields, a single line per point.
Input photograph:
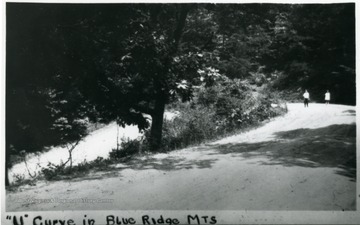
x=244 y=37
x=42 y=108
x=314 y=47
x=115 y=63
x=134 y=66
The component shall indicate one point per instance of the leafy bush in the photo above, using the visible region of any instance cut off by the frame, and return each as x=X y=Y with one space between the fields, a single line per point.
x=19 y=178
x=194 y=125
x=56 y=172
x=53 y=171
x=217 y=111
x=127 y=148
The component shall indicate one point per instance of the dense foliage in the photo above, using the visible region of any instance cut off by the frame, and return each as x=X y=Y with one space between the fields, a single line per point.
x=217 y=111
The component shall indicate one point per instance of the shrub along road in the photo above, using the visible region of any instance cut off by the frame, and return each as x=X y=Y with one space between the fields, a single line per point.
x=305 y=160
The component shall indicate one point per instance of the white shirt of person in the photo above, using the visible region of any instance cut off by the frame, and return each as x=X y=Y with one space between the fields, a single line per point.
x=306 y=95
x=327 y=96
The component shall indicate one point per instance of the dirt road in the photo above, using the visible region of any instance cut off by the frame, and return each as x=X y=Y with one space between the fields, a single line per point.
x=305 y=160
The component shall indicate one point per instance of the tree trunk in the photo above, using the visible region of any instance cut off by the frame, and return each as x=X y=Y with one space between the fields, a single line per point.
x=158 y=113
x=156 y=125
x=7 y=182
x=7 y=164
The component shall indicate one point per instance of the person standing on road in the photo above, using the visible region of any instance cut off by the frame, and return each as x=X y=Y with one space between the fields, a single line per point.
x=306 y=98
x=327 y=97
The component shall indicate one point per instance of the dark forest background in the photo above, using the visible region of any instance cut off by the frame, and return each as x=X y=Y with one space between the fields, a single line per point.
x=68 y=65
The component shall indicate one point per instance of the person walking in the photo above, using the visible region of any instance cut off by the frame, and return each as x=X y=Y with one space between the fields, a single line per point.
x=327 y=97
x=306 y=96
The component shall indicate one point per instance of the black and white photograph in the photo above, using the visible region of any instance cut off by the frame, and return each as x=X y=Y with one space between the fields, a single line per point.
x=179 y=106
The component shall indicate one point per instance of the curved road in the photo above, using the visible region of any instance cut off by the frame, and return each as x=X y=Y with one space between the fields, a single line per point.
x=305 y=160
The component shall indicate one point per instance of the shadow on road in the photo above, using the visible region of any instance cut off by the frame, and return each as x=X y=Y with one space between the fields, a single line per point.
x=333 y=146
x=169 y=163
x=143 y=163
